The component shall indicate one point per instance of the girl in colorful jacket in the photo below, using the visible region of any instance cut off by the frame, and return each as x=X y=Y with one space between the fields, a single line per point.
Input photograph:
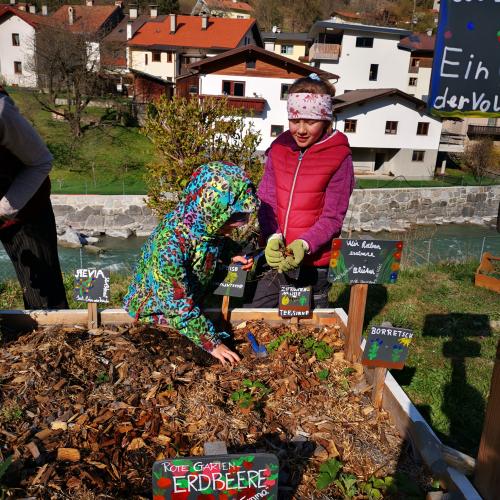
x=304 y=192
x=179 y=258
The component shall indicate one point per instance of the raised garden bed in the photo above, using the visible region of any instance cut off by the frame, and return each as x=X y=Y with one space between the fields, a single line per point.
x=86 y=413
x=488 y=273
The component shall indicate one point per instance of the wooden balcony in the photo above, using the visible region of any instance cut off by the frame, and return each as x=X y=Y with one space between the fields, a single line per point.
x=324 y=51
x=484 y=131
x=242 y=105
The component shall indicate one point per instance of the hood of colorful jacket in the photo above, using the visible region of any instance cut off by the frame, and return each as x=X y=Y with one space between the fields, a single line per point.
x=215 y=192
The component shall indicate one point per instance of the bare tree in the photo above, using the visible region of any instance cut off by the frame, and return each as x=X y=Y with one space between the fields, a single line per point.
x=478 y=157
x=68 y=72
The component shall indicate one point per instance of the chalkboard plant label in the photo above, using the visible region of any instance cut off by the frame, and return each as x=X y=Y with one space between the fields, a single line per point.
x=294 y=302
x=233 y=283
x=365 y=261
x=465 y=75
x=91 y=285
x=225 y=477
x=387 y=347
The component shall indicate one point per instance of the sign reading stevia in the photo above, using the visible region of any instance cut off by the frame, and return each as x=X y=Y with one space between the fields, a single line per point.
x=365 y=261
x=233 y=283
x=387 y=347
x=91 y=285
x=294 y=302
x=229 y=477
x=466 y=67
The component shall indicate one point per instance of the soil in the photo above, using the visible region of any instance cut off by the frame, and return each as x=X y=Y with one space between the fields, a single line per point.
x=84 y=414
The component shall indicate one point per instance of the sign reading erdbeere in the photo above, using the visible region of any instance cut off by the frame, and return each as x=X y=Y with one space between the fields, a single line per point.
x=466 y=67
x=233 y=283
x=294 y=302
x=228 y=477
x=91 y=285
x=364 y=261
x=387 y=347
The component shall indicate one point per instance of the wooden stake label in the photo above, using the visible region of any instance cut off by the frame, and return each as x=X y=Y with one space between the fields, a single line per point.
x=91 y=285
x=294 y=302
x=387 y=347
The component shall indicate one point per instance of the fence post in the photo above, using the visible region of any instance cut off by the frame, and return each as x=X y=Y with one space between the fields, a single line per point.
x=429 y=251
x=482 y=248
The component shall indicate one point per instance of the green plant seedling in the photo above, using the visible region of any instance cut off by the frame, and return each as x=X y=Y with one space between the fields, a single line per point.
x=320 y=349
x=251 y=394
x=328 y=472
x=323 y=374
x=347 y=484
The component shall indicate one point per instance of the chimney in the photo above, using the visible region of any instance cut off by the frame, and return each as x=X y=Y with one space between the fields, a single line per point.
x=32 y=9
x=89 y=3
x=129 y=30
x=13 y=2
x=429 y=32
x=153 y=11
x=119 y=3
x=204 y=22
x=45 y=10
x=22 y=6
x=132 y=12
x=71 y=15
x=173 y=23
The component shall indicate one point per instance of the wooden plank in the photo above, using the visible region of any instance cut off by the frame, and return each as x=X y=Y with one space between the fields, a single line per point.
x=356 y=317
x=93 y=316
x=378 y=386
x=225 y=308
x=488 y=458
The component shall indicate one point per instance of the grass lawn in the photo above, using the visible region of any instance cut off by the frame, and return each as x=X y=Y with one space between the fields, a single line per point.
x=108 y=159
x=451 y=359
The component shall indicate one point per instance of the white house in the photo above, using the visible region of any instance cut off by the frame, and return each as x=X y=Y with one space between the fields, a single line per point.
x=390 y=132
x=253 y=79
x=17 y=35
x=364 y=57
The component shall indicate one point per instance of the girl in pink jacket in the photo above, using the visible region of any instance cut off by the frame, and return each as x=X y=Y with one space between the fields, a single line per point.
x=304 y=192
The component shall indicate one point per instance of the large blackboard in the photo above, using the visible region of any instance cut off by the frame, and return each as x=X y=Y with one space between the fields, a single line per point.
x=466 y=67
x=91 y=285
x=228 y=477
x=364 y=261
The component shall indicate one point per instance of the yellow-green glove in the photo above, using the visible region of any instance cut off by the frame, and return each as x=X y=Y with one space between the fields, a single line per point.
x=293 y=261
x=274 y=252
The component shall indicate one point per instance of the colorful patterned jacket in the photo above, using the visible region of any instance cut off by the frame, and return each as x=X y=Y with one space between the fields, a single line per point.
x=179 y=258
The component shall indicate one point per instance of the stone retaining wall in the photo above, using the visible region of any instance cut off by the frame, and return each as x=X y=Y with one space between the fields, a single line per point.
x=370 y=209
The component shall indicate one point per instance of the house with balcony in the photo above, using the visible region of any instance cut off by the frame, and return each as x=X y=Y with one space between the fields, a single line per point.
x=390 y=132
x=421 y=48
x=254 y=80
x=292 y=45
x=364 y=57
x=223 y=8
x=165 y=47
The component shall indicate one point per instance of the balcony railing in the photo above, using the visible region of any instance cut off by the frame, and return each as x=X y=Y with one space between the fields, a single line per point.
x=324 y=51
x=484 y=131
x=248 y=105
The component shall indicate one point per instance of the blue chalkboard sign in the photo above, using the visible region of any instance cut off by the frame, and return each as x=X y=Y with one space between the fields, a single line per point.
x=466 y=67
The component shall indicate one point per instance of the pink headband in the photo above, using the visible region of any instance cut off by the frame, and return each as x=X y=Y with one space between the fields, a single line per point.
x=309 y=106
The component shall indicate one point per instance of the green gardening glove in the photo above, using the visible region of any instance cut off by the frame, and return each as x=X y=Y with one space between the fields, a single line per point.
x=274 y=252
x=293 y=261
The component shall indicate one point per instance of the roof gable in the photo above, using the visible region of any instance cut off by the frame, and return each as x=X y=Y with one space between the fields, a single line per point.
x=242 y=54
x=33 y=20
x=221 y=33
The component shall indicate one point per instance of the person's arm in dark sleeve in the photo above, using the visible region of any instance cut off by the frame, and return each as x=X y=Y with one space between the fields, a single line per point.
x=338 y=192
x=21 y=139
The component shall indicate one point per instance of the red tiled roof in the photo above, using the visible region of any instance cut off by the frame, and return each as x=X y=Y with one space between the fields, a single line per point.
x=222 y=32
x=86 y=18
x=32 y=19
x=347 y=15
x=229 y=5
x=418 y=41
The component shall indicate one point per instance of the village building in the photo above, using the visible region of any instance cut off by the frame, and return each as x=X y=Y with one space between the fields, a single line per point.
x=254 y=80
x=164 y=48
x=222 y=8
x=288 y=44
x=17 y=39
x=365 y=57
x=390 y=132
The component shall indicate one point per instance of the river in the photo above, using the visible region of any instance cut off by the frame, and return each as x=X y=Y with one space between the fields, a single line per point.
x=422 y=244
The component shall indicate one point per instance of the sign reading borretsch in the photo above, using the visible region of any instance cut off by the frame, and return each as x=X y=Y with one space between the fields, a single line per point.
x=466 y=67
x=219 y=477
x=387 y=347
x=233 y=283
x=294 y=302
x=91 y=285
x=364 y=261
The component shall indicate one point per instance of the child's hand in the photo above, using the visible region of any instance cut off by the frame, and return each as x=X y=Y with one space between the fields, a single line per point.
x=224 y=354
x=247 y=262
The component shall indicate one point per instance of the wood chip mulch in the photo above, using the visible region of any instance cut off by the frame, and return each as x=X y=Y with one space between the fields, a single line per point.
x=86 y=413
